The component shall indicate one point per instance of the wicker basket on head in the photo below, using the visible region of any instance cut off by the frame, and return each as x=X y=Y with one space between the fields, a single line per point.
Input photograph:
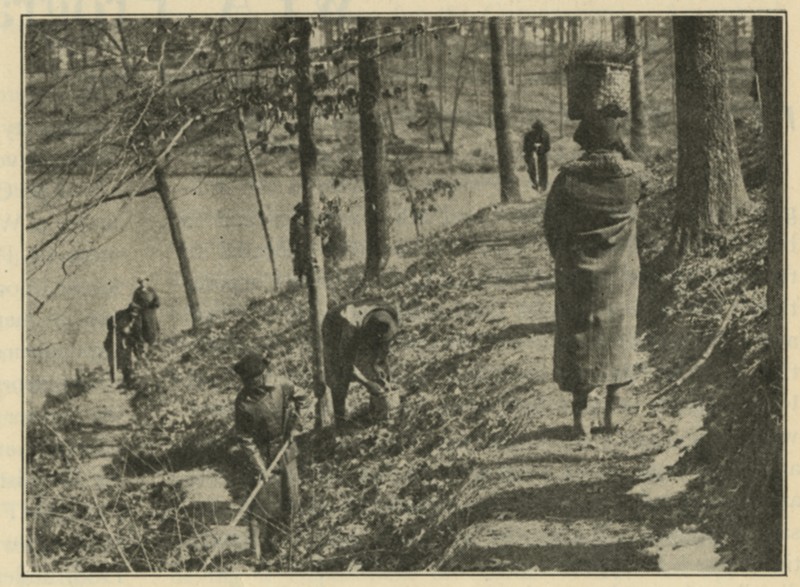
x=598 y=86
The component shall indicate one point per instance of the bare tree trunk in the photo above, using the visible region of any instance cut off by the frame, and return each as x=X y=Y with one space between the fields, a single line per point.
x=476 y=87
x=257 y=190
x=373 y=155
x=162 y=187
x=442 y=88
x=317 y=292
x=427 y=48
x=509 y=183
x=460 y=81
x=709 y=184
x=639 y=131
x=546 y=30
x=768 y=43
x=511 y=57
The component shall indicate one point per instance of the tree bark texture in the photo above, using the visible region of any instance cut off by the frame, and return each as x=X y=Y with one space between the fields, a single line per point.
x=639 y=130
x=768 y=43
x=317 y=292
x=709 y=180
x=162 y=187
x=509 y=183
x=373 y=155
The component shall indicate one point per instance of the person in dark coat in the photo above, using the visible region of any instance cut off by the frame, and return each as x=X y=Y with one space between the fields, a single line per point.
x=125 y=329
x=590 y=227
x=535 y=146
x=334 y=235
x=266 y=417
x=356 y=337
x=146 y=298
x=297 y=242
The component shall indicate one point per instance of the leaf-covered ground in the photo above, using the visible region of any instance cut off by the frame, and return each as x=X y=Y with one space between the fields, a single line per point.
x=476 y=471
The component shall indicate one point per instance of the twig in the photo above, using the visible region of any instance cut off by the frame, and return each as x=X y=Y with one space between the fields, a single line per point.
x=693 y=369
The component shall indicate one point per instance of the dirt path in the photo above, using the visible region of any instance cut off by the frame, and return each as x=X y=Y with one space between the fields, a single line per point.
x=539 y=500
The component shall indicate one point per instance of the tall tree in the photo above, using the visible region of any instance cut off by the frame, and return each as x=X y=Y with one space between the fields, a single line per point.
x=509 y=183
x=317 y=291
x=768 y=44
x=129 y=61
x=247 y=147
x=373 y=152
x=639 y=131
x=709 y=185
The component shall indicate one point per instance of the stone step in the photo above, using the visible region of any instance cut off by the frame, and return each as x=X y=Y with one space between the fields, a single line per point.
x=524 y=491
x=205 y=498
x=600 y=448
x=565 y=546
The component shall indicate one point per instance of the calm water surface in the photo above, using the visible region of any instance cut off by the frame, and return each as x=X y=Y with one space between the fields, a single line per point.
x=227 y=254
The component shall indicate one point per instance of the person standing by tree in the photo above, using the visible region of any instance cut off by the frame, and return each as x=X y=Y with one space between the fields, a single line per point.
x=297 y=242
x=590 y=227
x=266 y=418
x=535 y=147
x=146 y=298
x=334 y=234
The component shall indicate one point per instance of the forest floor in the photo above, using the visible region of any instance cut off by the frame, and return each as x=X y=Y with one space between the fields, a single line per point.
x=476 y=472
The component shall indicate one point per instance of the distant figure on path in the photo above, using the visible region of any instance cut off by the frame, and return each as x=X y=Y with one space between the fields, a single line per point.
x=146 y=298
x=535 y=147
x=297 y=242
x=124 y=341
x=266 y=417
x=590 y=227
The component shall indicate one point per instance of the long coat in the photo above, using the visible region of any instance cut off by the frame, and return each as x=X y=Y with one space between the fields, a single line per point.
x=147 y=299
x=590 y=226
x=536 y=141
x=297 y=245
x=264 y=417
x=128 y=337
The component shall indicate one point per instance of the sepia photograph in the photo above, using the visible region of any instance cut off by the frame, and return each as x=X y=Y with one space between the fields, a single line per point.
x=442 y=294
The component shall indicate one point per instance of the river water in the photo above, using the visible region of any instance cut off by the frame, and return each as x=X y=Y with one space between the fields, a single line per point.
x=227 y=252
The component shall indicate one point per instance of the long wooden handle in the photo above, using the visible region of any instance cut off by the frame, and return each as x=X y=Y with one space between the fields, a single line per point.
x=263 y=479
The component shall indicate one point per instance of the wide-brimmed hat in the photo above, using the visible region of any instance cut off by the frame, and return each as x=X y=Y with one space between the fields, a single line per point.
x=251 y=365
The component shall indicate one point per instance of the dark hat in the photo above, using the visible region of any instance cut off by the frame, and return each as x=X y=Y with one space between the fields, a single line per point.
x=301 y=207
x=134 y=306
x=597 y=132
x=538 y=124
x=251 y=365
